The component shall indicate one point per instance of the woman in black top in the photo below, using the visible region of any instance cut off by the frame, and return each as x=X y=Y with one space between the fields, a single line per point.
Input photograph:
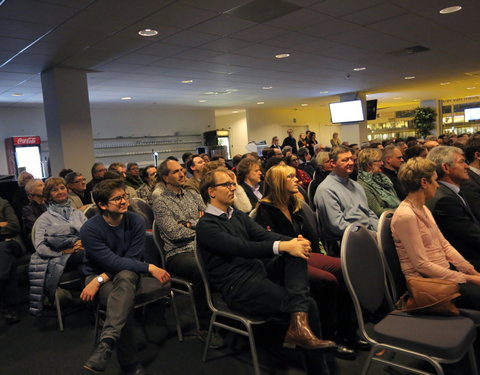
x=280 y=211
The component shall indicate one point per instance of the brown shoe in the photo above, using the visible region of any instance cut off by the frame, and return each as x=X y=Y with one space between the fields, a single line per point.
x=299 y=333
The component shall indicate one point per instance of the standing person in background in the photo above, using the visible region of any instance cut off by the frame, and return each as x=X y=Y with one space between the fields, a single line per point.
x=335 y=141
x=133 y=176
x=290 y=141
x=302 y=140
x=275 y=143
x=311 y=142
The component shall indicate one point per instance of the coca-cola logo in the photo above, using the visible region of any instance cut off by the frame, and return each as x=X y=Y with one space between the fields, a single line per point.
x=34 y=140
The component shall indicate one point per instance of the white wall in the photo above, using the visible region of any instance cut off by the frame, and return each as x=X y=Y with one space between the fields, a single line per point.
x=237 y=124
x=263 y=124
x=108 y=122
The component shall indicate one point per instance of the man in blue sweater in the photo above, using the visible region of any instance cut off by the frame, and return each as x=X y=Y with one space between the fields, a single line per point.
x=114 y=243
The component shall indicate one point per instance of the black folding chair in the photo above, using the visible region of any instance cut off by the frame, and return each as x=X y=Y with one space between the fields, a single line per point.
x=433 y=339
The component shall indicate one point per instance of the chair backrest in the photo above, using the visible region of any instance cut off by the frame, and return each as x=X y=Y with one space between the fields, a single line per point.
x=363 y=271
x=146 y=210
x=311 y=193
x=91 y=211
x=203 y=273
x=304 y=193
x=158 y=242
x=310 y=216
x=395 y=277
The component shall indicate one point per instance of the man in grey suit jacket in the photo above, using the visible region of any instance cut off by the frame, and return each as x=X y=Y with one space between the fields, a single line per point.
x=471 y=187
x=451 y=211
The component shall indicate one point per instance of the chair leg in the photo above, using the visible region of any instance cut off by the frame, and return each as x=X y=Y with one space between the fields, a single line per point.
x=253 y=349
x=177 y=319
x=194 y=308
x=473 y=362
x=97 y=325
x=368 y=361
x=209 y=336
x=59 y=311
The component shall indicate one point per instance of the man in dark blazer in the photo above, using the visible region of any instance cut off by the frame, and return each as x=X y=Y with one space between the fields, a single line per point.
x=451 y=211
x=243 y=263
x=471 y=187
x=290 y=141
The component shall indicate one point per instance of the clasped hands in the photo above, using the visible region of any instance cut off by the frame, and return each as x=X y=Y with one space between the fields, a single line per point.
x=297 y=247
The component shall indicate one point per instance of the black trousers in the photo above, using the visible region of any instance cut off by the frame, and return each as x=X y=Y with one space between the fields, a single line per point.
x=185 y=266
x=9 y=251
x=470 y=298
x=282 y=288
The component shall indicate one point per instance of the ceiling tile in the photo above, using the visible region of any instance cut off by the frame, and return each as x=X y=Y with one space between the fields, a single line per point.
x=376 y=13
x=299 y=20
x=180 y=16
x=190 y=39
x=259 y=33
x=336 y=8
x=223 y=25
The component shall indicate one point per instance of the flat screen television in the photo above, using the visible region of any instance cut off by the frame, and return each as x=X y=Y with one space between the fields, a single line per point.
x=371 y=109
x=472 y=114
x=350 y=111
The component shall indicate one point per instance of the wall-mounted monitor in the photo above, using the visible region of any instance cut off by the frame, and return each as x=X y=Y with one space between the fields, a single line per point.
x=472 y=114
x=371 y=109
x=351 y=111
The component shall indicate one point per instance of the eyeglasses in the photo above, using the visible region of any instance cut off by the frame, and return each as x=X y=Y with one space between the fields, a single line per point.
x=101 y=170
x=81 y=180
x=118 y=199
x=36 y=195
x=228 y=185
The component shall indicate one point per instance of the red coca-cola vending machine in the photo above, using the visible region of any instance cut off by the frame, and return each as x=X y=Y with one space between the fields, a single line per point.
x=23 y=154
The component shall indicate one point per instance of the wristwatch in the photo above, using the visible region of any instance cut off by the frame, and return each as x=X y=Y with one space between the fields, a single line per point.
x=100 y=280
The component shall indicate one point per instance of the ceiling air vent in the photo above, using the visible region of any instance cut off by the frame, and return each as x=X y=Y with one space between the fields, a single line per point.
x=263 y=10
x=408 y=51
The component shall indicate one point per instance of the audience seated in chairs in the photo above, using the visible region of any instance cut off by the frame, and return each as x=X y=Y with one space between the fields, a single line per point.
x=381 y=195
x=122 y=171
x=149 y=177
x=392 y=160
x=57 y=243
x=176 y=213
x=77 y=186
x=133 y=176
x=280 y=211
x=422 y=249
x=98 y=171
x=450 y=210
x=304 y=178
x=304 y=158
x=471 y=187
x=114 y=243
x=324 y=167
x=10 y=250
x=241 y=262
x=195 y=166
x=341 y=201
x=20 y=198
x=249 y=176
x=34 y=209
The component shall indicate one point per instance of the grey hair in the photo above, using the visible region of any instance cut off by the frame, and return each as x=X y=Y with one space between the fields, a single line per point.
x=322 y=157
x=443 y=155
x=388 y=152
x=32 y=185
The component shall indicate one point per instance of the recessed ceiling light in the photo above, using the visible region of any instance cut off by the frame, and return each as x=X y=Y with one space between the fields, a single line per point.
x=267 y=87
x=416 y=100
x=148 y=32
x=17 y=94
x=282 y=55
x=360 y=68
x=187 y=81
x=449 y=10
x=409 y=77
x=323 y=92
x=235 y=111
x=471 y=88
x=202 y=101
x=304 y=104
x=397 y=98
x=260 y=102
x=444 y=83
x=126 y=98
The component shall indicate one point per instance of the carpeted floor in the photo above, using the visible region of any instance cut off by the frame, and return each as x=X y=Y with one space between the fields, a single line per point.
x=35 y=346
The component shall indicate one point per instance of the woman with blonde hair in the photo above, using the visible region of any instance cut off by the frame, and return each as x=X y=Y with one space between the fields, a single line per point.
x=421 y=247
x=281 y=211
x=381 y=195
x=335 y=141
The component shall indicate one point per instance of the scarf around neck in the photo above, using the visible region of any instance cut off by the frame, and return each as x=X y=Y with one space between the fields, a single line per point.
x=382 y=185
x=63 y=209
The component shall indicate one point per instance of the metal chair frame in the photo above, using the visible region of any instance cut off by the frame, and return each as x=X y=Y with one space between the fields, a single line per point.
x=376 y=345
x=176 y=280
x=247 y=322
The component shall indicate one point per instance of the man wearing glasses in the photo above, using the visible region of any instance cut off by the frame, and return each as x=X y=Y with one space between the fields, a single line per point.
x=98 y=171
x=243 y=263
x=77 y=186
x=114 y=243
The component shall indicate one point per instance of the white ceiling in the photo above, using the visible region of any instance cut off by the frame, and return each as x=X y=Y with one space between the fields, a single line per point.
x=230 y=59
